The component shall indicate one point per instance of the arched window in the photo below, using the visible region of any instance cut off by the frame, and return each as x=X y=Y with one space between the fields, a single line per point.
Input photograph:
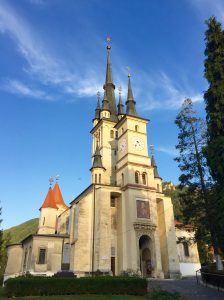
x=95 y=178
x=136 y=128
x=116 y=134
x=43 y=220
x=186 y=249
x=122 y=179
x=144 y=178
x=112 y=134
x=136 y=177
x=99 y=178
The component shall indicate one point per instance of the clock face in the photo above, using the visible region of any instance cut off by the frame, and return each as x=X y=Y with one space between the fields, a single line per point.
x=137 y=143
x=123 y=146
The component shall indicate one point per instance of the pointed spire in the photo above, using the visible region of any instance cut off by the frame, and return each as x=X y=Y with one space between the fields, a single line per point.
x=130 y=103
x=120 y=106
x=109 y=78
x=97 y=110
x=49 y=200
x=58 y=199
x=109 y=86
x=97 y=159
x=153 y=164
x=105 y=103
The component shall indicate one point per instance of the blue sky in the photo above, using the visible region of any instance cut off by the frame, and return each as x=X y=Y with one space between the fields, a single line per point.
x=52 y=63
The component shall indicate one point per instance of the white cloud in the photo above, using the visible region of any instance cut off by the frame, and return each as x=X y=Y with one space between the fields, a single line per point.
x=207 y=8
x=167 y=149
x=151 y=91
x=40 y=62
x=17 y=87
x=163 y=93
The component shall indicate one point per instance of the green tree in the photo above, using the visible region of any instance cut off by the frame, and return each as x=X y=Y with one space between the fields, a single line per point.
x=214 y=100
x=195 y=179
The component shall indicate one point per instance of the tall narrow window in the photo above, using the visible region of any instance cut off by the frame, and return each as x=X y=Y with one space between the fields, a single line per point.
x=122 y=129
x=144 y=175
x=95 y=178
x=43 y=220
x=136 y=128
x=157 y=187
x=25 y=258
x=186 y=249
x=42 y=256
x=136 y=177
x=112 y=134
x=100 y=178
x=116 y=134
x=122 y=179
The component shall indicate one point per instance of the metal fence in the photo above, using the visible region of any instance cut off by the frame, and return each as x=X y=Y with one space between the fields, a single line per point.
x=216 y=280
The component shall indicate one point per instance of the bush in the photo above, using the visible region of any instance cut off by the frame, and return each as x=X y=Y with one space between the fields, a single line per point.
x=23 y=286
x=164 y=295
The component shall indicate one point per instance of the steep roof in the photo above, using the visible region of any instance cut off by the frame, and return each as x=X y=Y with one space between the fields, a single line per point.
x=54 y=198
x=49 y=200
x=58 y=199
x=97 y=159
x=153 y=164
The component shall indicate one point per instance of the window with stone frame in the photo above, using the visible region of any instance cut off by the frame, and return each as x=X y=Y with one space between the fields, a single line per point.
x=144 y=178
x=42 y=256
x=186 y=249
x=112 y=134
x=137 y=177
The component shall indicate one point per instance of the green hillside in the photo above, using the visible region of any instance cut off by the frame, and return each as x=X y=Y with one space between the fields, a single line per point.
x=19 y=232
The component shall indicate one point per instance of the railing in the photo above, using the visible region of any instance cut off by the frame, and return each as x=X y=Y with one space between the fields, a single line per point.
x=213 y=279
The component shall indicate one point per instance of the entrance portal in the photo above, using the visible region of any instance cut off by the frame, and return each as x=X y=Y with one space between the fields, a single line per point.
x=145 y=256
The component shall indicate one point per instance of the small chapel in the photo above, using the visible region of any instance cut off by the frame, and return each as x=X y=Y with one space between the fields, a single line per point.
x=121 y=222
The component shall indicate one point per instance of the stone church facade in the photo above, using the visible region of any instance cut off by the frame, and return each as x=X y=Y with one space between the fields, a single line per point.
x=122 y=221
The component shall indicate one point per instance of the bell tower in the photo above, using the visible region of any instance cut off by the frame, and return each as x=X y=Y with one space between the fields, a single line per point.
x=104 y=143
x=133 y=162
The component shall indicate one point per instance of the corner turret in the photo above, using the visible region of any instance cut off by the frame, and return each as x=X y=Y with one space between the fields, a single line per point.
x=97 y=167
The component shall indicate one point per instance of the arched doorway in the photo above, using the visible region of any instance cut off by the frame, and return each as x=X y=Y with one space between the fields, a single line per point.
x=145 y=256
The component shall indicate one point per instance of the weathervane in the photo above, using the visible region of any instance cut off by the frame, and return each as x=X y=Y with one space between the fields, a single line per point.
x=129 y=71
x=108 y=42
x=120 y=90
x=151 y=148
x=57 y=177
x=98 y=95
x=51 y=180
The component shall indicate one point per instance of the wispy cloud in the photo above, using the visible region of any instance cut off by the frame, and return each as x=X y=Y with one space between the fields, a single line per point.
x=151 y=91
x=41 y=63
x=163 y=93
x=207 y=8
x=19 y=88
x=167 y=149
x=37 y=2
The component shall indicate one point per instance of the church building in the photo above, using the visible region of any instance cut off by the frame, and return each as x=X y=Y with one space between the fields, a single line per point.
x=121 y=222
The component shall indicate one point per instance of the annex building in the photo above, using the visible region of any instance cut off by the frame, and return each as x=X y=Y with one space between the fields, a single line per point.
x=122 y=221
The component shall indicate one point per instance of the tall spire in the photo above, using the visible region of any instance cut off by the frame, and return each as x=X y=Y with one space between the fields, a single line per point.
x=153 y=164
x=130 y=103
x=120 y=106
x=109 y=86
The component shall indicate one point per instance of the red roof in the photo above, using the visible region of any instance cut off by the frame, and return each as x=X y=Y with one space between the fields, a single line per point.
x=58 y=196
x=54 y=198
x=49 y=200
x=180 y=224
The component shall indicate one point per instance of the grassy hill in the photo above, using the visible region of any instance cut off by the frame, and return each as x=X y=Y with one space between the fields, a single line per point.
x=19 y=232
